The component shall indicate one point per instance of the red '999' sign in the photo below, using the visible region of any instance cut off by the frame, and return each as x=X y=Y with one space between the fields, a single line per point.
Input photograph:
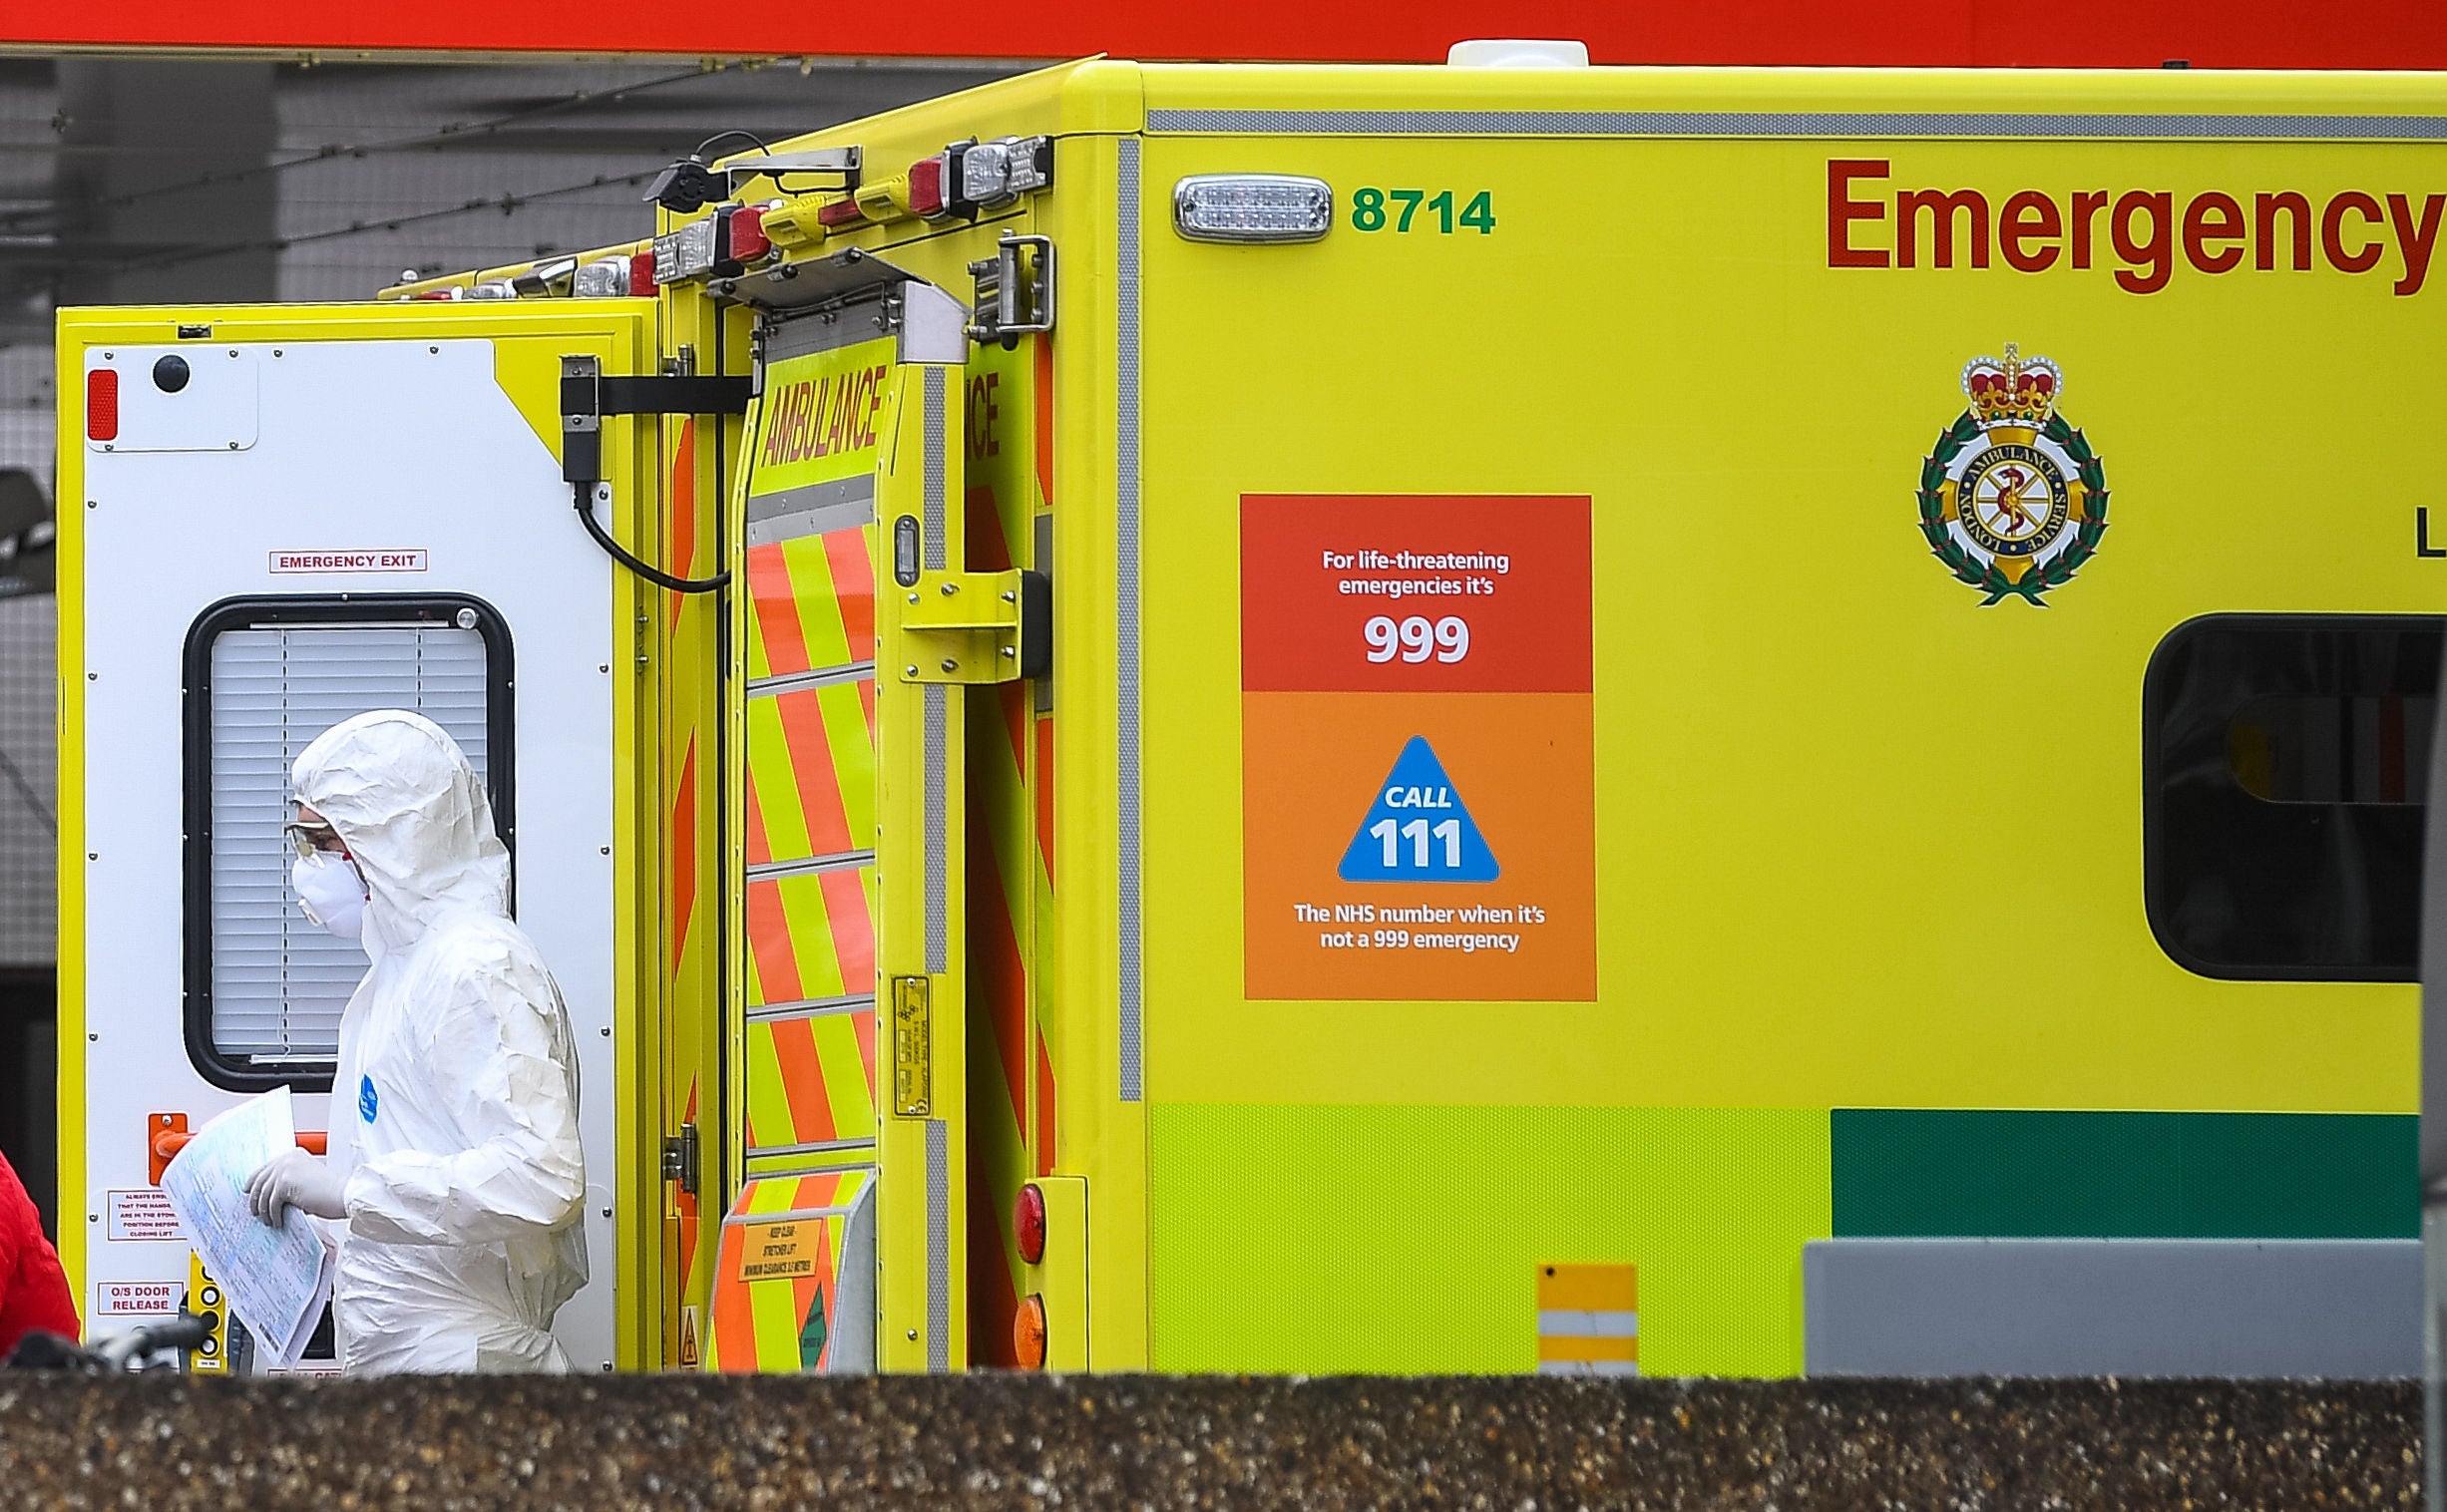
x=1437 y=594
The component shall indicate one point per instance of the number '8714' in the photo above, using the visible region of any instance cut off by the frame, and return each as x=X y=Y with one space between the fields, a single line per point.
x=1416 y=639
x=1378 y=210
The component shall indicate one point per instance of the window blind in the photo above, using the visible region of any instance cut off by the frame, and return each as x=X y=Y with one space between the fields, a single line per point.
x=279 y=980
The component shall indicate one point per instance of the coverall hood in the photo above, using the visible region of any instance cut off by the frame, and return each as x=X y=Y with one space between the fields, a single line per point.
x=406 y=803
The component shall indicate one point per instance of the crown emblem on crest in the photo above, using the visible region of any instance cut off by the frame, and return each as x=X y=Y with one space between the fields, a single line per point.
x=2018 y=391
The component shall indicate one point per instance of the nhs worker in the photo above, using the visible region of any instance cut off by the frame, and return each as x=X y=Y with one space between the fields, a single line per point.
x=455 y=1180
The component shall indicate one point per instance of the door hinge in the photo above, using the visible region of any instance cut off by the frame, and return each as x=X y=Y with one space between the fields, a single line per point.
x=680 y=1158
x=1015 y=291
x=976 y=626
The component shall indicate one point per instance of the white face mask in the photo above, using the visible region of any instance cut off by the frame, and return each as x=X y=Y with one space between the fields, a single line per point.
x=330 y=892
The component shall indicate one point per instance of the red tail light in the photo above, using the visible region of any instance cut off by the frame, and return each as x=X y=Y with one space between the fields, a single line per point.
x=748 y=240
x=642 y=275
x=101 y=404
x=1028 y=1224
x=927 y=194
x=840 y=212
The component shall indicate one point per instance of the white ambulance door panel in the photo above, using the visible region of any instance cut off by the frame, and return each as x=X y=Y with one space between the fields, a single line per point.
x=335 y=525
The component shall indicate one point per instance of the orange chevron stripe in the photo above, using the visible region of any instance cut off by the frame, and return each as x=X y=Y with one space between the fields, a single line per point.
x=773 y=603
x=854 y=586
x=811 y=1112
x=731 y=1346
x=845 y=907
x=777 y=965
x=819 y=781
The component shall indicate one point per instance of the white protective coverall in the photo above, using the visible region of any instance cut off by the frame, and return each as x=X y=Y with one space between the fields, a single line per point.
x=454 y=1113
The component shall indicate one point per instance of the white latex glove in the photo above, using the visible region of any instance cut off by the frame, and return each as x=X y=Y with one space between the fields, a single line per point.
x=294 y=1179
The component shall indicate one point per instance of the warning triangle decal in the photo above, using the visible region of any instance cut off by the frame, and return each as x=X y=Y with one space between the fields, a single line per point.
x=1418 y=830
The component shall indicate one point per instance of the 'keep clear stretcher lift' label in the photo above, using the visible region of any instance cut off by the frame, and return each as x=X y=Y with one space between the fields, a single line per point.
x=1418 y=771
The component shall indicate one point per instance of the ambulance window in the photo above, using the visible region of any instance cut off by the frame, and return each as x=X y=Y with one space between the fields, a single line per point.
x=2286 y=767
x=264 y=676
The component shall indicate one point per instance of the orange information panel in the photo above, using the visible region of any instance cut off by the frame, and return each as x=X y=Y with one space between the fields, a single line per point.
x=1417 y=781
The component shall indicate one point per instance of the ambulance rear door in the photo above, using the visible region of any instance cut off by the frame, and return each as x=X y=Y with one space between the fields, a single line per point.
x=280 y=518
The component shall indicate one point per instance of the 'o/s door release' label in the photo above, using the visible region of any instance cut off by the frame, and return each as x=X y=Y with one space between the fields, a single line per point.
x=1418 y=792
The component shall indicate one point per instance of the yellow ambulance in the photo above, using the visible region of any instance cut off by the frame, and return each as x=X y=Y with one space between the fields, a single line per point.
x=1489 y=718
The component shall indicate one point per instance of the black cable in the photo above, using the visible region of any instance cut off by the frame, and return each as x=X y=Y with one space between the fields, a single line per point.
x=699 y=154
x=583 y=495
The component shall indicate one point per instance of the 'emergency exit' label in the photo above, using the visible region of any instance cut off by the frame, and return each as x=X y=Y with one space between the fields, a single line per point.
x=1418 y=792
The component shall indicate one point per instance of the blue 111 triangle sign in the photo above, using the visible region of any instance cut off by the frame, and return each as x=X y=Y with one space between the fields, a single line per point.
x=1418 y=830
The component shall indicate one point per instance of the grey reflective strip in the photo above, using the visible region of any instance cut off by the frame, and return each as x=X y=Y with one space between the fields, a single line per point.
x=934 y=520
x=766 y=687
x=1797 y=124
x=813 y=509
x=809 y=1007
x=1587 y=1368
x=812 y=1147
x=768 y=871
x=937 y=1246
x=938 y=853
x=1125 y=609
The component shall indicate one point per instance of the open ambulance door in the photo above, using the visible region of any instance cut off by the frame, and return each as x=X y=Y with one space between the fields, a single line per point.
x=278 y=518
x=843 y=1247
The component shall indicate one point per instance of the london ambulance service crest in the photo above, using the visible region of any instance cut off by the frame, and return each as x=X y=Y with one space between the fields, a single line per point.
x=2012 y=498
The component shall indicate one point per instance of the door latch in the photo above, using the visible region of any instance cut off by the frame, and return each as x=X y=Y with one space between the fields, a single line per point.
x=1015 y=291
x=680 y=1158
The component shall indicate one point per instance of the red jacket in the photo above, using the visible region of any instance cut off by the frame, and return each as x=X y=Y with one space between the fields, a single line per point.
x=33 y=1288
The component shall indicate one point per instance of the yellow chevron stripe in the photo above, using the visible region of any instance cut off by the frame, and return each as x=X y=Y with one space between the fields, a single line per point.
x=819 y=602
x=811 y=937
x=773 y=1304
x=845 y=731
x=768 y=1102
x=776 y=784
x=848 y=1080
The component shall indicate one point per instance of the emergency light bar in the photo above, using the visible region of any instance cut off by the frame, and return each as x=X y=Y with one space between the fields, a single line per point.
x=1252 y=208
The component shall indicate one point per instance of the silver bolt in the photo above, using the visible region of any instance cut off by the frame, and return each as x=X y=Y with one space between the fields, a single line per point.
x=912 y=599
x=949 y=589
x=1010 y=654
x=1011 y=597
x=607 y=1032
x=913 y=1336
x=607 y=1212
x=607 y=850
x=910 y=670
x=603 y=667
x=950 y=665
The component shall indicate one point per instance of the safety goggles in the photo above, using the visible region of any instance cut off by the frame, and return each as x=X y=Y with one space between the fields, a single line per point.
x=307 y=839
